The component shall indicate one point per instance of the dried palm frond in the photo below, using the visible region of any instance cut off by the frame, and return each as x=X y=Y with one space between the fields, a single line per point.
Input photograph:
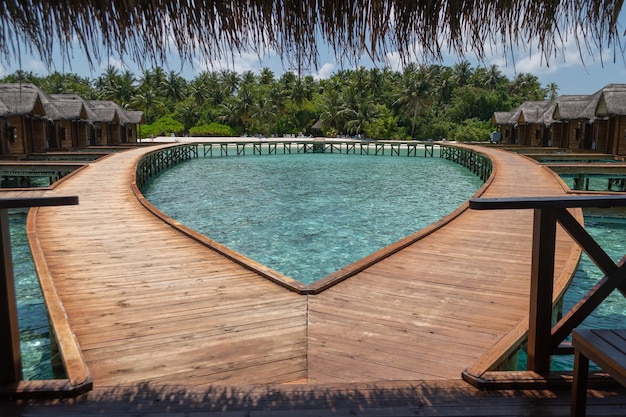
x=146 y=30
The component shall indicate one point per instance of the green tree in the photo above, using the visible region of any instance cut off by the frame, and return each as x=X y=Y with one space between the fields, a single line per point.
x=415 y=93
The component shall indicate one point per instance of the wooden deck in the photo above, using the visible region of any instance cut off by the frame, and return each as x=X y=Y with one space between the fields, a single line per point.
x=400 y=399
x=165 y=323
x=148 y=304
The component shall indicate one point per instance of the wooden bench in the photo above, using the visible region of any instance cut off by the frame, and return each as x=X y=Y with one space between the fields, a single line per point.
x=605 y=348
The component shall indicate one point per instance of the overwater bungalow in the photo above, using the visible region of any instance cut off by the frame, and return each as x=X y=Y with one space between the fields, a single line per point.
x=79 y=129
x=569 y=127
x=108 y=120
x=530 y=128
x=610 y=110
x=573 y=122
x=24 y=126
x=506 y=126
x=134 y=119
x=32 y=121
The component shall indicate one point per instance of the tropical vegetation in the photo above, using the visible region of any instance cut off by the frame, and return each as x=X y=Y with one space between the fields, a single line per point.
x=419 y=102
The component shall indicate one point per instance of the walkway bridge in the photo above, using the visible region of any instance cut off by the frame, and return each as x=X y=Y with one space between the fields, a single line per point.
x=147 y=303
x=148 y=312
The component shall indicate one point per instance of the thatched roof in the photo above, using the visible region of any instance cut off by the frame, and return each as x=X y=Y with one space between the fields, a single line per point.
x=143 y=29
x=20 y=100
x=502 y=118
x=532 y=111
x=612 y=100
x=23 y=99
x=75 y=106
x=135 y=116
x=107 y=111
x=567 y=107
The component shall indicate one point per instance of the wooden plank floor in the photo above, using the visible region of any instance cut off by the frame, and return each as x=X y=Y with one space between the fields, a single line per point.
x=149 y=305
x=391 y=398
x=431 y=310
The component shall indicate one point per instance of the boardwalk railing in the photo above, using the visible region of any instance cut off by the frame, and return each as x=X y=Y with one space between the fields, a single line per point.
x=476 y=162
x=77 y=378
x=545 y=338
x=299 y=146
x=154 y=162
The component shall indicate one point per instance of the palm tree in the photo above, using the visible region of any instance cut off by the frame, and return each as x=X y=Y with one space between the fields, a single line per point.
x=415 y=93
x=552 y=91
x=173 y=86
x=248 y=78
x=263 y=114
x=463 y=72
x=266 y=77
x=494 y=76
x=187 y=113
x=358 y=118
x=230 y=80
x=150 y=102
x=116 y=86
x=331 y=115
x=299 y=93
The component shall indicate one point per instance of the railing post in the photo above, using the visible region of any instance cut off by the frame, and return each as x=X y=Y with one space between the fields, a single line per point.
x=10 y=356
x=541 y=290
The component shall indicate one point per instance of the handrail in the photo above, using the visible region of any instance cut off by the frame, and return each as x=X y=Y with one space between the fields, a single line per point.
x=543 y=338
x=11 y=378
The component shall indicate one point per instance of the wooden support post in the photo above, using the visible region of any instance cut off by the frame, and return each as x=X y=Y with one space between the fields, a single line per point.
x=10 y=356
x=541 y=283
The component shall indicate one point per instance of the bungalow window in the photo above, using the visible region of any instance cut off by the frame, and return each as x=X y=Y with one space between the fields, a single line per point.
x=12 y=134
x=62 y=133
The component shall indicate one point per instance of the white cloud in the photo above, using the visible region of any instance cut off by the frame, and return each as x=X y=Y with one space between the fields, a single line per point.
x=325 y=71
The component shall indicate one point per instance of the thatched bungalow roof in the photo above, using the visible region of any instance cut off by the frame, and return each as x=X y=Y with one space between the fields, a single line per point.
x=62 y=109
x=107 y=111
x=612 y=100
x=135 y=116
x=567 y=107
x=20 y=100
x=532 y=111
x=75 y=101
x=67 y=109
x=502 y=118
x=144 y=29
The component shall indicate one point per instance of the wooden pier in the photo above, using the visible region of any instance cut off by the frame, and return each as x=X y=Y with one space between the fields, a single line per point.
x=286 y=146
x=150 y=306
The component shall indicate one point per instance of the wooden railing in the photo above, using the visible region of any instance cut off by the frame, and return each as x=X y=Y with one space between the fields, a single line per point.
x=476 y=162
x=154 y=162
x=318 y=145
x=544 y=338
x=12 y=384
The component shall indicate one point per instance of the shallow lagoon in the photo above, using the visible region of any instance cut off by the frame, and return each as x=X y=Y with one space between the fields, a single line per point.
x=308 y=215
x=31 y=310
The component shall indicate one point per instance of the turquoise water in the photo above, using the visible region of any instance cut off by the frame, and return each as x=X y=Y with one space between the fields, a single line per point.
x=610 y=234
x=308 y=215
x=31 y=310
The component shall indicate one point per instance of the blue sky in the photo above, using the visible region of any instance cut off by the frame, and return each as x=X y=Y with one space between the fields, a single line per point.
x=571 y=72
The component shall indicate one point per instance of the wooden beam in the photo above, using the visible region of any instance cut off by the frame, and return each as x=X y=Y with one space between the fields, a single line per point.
x=542 y=275
x=599 y=201
x=588 y=303
x=10 y=357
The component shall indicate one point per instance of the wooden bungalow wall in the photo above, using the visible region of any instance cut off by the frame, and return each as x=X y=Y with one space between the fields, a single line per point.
x=617 y=134
x=601 y=135
x=28 y=134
